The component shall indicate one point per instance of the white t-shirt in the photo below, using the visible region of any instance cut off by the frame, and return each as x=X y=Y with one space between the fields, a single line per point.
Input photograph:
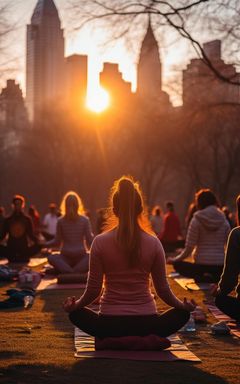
x=50 y=223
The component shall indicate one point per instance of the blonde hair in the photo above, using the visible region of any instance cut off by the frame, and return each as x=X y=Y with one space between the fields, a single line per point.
x=71 y=205
x=127 y=213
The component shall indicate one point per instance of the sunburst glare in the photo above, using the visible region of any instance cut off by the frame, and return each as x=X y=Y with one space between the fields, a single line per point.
x=98 y=100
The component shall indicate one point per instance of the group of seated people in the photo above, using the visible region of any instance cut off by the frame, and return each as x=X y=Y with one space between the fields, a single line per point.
x=126 y=256
x=73 y=236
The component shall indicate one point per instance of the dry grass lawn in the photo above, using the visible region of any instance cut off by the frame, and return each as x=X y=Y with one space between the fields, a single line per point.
x=37 y=347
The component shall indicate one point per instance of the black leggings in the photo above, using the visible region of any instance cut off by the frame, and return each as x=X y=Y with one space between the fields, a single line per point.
x=197 y=271
x=172 y=246
x=229 y=305
x=20 y=255
x=103 y=326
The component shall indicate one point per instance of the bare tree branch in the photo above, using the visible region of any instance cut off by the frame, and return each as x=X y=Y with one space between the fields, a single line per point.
x=174 y=14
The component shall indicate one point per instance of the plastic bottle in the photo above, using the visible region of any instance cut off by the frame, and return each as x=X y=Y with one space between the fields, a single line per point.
x=189 y=326
x=28 y=301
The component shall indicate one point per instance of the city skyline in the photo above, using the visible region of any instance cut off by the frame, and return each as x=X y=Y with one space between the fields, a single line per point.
x=89 y=42
x=175 y=53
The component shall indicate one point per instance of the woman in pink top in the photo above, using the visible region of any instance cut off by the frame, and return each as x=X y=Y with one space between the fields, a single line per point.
x=122 y=261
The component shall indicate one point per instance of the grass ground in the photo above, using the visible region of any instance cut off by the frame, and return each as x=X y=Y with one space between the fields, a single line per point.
x=37 y=347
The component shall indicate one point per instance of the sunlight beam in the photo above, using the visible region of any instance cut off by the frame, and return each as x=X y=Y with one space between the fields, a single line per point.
x=98 y=100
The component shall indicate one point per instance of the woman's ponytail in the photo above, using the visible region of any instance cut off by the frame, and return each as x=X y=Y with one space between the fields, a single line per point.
x=127 y=215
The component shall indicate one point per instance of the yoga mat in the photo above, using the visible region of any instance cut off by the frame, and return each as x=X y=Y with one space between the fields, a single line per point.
x=85 y=348
x=191 y=285
x=220 y=316
x=51 y=283
x=34 y=262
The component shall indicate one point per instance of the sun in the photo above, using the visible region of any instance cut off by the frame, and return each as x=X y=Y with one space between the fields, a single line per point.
x=98 y=100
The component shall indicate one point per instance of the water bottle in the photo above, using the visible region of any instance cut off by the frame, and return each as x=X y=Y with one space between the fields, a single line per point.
x=28 y=301
x=189 y=326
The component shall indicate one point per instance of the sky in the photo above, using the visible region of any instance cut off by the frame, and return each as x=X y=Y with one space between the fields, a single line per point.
x=174 y=52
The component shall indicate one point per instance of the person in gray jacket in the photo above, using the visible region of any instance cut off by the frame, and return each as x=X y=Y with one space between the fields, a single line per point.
x=205 y=242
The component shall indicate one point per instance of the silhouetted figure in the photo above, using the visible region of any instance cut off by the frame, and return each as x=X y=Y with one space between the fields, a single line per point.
x=35 y=217
x=230 y=277
x=171 y=237
x=124 y=257
x=18 y=229
x=101 y=220
x=229 y=216
x=73 y=233
x=206 y=238
x=50 y=222
x=2 y=218
x=156 y=220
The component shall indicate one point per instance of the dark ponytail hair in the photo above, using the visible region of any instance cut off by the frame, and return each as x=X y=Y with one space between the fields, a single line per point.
x=127 y=214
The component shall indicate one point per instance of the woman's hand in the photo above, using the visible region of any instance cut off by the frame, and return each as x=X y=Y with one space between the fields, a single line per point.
x=69 y=305
x=189 y=305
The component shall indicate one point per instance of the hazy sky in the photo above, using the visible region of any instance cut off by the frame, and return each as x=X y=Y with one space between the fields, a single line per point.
x=174 y=53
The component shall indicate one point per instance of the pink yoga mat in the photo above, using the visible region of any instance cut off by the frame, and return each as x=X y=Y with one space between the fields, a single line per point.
x=85 y=348
x=51 y=283
x=220 y=316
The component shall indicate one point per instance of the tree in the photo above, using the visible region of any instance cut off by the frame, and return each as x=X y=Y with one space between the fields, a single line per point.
x=6 y=28
x=208 y=149
x=187 y=18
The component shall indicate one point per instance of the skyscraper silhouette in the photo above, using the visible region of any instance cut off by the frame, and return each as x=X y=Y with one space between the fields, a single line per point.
x=201 y=86
x=149 y=71
x=76 y=81
x=45 y=58
x=112 y=81
x=13 y=114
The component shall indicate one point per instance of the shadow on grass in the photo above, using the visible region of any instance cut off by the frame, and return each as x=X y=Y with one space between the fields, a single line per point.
x=108 y=372
x=9 y=354
x=53 y=300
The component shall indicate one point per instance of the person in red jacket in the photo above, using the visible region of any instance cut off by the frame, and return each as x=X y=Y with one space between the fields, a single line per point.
x=171 y=237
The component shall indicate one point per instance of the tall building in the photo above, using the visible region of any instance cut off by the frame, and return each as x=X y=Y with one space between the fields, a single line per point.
x=149 y=72
x=13 y=114
x=45 y=58
x=201 y=86
x=76 y=81
x=118 y=89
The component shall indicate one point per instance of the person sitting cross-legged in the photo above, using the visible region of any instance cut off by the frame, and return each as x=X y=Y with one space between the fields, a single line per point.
x=205 y=242
x=73 y=235
x=21 y=242
x=125 y=257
